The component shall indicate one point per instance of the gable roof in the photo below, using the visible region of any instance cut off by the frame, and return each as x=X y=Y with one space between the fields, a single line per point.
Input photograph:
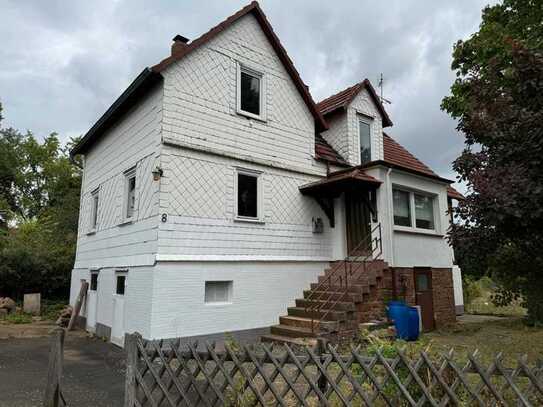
x=149 y=76
x=342 y=99
x=257 y=12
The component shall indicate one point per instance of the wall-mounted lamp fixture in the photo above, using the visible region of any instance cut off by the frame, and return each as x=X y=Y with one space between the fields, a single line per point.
x=157 y=173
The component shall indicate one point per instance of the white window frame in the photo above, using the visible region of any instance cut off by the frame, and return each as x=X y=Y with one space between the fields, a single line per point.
x=94 y=212
x=412 y=212
x=97 y=274
x=369 y=121
x=129 y=174
x=259 y=195
x=229 y=294
x=260 y=75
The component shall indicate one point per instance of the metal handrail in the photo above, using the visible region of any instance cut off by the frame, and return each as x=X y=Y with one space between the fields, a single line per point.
x=341 y=273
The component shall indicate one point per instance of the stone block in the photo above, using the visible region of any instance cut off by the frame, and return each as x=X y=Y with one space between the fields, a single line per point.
x=32 y=304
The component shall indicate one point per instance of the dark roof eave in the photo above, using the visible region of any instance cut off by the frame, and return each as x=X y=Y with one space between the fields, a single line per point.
x=139 y=87
x=405 y=169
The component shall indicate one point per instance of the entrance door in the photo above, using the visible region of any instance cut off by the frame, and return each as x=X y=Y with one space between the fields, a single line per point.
x=358 y=222
x=92 y=302
x=117 y=328
x=423 y=293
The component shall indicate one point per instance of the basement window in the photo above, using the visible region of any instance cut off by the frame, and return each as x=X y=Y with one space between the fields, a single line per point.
x=94 y=281
x=218 y=292
x=250 y=93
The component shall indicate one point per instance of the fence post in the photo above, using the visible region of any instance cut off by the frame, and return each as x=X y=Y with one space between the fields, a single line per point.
x=54 y=372
x=322 y=382
x=131 y=349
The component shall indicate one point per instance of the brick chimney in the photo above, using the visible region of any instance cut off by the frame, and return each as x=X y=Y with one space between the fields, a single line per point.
x=179 y=44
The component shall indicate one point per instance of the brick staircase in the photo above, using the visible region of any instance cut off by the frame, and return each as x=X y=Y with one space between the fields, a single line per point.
x=338 y=302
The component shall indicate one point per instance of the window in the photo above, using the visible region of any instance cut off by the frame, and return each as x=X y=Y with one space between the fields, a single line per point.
x=424 y=211
x=250 y=93
x=402 y=211
x=130 y=193
x=422 y=217
x=364 y=134
x=94 y=209
x=248 y=195
x=121 y=284
x=94 y=282
x=218 y=292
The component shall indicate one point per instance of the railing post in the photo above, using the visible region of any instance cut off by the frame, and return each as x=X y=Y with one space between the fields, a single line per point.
x=131 y=349
x=54 y=372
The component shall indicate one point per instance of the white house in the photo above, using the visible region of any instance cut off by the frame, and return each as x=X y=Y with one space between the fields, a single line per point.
x=215 y=191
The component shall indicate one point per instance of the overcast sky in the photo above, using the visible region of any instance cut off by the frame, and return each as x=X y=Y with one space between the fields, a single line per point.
x=62 y=63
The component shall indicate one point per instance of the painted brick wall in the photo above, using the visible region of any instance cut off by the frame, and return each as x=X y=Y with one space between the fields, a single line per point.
x=261 y=292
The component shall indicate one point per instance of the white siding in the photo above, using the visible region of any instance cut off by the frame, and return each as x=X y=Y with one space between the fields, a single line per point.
x=197 y=194
x=337 y=134
x=261 y=292
x=200 y=102
x=133 y=141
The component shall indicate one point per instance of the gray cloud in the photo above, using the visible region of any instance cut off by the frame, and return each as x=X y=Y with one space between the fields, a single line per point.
x=63 y=63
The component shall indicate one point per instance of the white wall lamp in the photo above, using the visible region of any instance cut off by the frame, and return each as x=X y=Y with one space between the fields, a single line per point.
x=157 y=173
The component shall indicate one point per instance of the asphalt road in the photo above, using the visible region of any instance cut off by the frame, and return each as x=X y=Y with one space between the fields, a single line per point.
x=93 y=372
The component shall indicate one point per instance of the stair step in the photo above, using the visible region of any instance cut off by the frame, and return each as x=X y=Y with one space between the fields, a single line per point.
x=306 y=323
x=293 y=331
x=334 y=295
x=289 y=340
x=352 y=288
x=330 y=316
x=326 y=305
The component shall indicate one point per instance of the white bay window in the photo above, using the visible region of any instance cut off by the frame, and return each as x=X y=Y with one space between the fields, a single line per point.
x=413 y=210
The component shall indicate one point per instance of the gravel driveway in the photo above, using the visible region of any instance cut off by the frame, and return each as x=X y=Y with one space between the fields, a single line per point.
x=93 y=372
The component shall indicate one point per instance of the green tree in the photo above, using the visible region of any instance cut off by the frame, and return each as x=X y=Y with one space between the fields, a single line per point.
x=39 y=204
x=497 y=99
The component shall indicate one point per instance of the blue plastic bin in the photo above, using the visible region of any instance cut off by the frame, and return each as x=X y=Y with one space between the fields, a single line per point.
x=412 y=324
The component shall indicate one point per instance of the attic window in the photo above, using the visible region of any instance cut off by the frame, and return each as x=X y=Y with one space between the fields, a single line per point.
x=364 y=134
x=250 y=93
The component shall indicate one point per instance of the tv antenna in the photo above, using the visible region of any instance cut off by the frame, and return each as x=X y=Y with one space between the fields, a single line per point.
x=381 y=82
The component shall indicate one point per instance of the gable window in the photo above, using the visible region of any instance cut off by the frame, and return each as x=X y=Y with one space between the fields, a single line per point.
x=130 y=193
x=94 y=208
x=248 y=195
x=364 y=134
x=250 y=93
x=413 y=209
x=218 y=292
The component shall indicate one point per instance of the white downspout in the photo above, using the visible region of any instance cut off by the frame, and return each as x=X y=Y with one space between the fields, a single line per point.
x=390 y=216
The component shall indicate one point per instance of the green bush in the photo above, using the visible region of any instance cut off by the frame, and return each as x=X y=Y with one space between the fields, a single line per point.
x=18 y=318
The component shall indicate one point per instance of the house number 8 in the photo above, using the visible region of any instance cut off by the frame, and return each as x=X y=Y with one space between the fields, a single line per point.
x=164 y=217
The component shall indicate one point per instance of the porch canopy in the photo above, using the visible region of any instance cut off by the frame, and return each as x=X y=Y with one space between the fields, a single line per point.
x=327 y=189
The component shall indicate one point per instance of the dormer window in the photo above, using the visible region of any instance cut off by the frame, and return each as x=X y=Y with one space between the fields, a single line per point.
x=364 y=134
x=250 y=95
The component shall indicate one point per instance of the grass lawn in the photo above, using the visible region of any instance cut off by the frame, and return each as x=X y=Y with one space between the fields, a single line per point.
x=507 y=335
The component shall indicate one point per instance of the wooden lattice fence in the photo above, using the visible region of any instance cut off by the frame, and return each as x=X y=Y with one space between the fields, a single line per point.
x=169 y=373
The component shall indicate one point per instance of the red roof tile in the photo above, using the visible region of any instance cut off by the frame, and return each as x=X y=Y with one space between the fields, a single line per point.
x=325 y=152
x=454 y=194
x=398 y=155
x=346 y=96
